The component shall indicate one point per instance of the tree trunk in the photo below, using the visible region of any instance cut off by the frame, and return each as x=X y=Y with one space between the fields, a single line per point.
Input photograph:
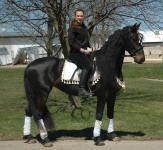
x=65 y=44
x=50 y=38
x=63 y=36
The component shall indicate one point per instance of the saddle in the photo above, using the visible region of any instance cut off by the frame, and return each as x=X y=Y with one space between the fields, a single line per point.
x=71 y=74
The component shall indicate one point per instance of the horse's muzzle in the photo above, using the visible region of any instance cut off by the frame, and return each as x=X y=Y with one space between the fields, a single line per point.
x=139 y=57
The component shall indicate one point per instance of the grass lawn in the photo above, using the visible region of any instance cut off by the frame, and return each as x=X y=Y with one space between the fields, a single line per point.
x=138 y=110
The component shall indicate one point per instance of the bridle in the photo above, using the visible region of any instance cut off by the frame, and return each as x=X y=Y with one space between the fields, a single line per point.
x=133 y=54
x=139 y=49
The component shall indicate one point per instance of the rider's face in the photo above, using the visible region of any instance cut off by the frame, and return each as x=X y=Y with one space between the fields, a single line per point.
x=79 y=17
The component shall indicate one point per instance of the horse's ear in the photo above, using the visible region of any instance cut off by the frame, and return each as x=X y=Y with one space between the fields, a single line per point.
x=135 y=27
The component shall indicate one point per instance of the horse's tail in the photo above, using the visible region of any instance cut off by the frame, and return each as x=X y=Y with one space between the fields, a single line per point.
x=31 y=98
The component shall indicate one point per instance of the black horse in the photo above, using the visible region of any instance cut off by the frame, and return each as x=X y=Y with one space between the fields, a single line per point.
x=44 y=73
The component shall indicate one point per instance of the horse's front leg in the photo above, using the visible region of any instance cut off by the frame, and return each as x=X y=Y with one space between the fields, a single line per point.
x=98 y=122
x=110 y=114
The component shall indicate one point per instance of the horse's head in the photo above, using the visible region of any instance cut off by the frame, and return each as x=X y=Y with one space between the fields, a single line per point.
x=133 y=44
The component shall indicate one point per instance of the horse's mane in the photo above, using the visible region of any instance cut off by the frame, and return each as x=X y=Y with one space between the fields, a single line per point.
x=110 y=42
x=113 y=38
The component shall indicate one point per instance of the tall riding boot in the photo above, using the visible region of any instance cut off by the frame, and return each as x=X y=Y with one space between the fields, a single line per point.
x=82 y=84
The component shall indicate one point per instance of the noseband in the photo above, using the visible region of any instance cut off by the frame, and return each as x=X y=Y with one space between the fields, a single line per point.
x=133 y=54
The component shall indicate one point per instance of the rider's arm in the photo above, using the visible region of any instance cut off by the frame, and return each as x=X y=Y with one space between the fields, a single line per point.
x=74 y=44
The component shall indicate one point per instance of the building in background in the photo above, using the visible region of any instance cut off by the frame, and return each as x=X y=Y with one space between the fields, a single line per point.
x=153 y=46
x=16 y=45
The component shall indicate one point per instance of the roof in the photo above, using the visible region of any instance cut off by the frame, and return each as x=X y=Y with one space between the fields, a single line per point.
x=16 y=34
x=149 y=36
x=152 y=36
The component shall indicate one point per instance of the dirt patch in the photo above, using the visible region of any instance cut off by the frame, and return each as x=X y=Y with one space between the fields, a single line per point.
x=14 y=66
x=158 y=80
x=84 y=145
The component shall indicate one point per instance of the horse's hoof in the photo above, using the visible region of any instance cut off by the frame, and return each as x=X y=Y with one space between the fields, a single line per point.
x=98 y=141
x=113 y=137
x=29 y=139
x=46 y=142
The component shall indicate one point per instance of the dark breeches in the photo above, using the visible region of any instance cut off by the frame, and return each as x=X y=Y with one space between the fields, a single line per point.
x=81 y=60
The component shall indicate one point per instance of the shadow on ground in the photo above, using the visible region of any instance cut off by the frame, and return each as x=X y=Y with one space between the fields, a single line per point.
x=86 y=134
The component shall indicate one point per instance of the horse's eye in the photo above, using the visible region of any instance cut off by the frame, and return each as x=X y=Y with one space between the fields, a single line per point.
x=133 y=37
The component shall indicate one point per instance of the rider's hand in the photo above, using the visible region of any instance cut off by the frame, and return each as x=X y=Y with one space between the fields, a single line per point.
x=93 y=49
x=89 y=49
x=86 y=52
x=81 y=50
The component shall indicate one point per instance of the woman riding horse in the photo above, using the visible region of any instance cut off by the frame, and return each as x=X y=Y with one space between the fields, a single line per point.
x=79 y=52
x=44 y=73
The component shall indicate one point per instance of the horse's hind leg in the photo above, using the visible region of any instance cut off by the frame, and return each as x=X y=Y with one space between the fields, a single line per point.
x=27 y=127
x=43 y=119
x=37 y=96
x=110 y=114
x=98 y=122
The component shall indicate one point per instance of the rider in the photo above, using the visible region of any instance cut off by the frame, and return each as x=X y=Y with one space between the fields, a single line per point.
x=80 y=49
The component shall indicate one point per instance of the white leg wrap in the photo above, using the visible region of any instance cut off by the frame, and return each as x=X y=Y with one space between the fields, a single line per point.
x=27 y=125
x=97 y=128
x=43 y=132
x=110 y=125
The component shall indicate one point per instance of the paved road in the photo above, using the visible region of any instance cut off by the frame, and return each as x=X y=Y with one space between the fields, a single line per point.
x=84 y=145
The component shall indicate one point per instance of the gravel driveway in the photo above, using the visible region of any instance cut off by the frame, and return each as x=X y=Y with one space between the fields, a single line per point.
x=84 y=145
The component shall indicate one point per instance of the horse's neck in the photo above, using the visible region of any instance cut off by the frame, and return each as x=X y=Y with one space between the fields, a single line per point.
x=110 y=56
x=111 y=61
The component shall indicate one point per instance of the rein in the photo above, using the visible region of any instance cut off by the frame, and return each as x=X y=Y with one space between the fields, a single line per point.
x=133 y=54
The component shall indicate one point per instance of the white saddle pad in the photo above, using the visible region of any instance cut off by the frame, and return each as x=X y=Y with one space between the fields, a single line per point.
x=68 y=72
